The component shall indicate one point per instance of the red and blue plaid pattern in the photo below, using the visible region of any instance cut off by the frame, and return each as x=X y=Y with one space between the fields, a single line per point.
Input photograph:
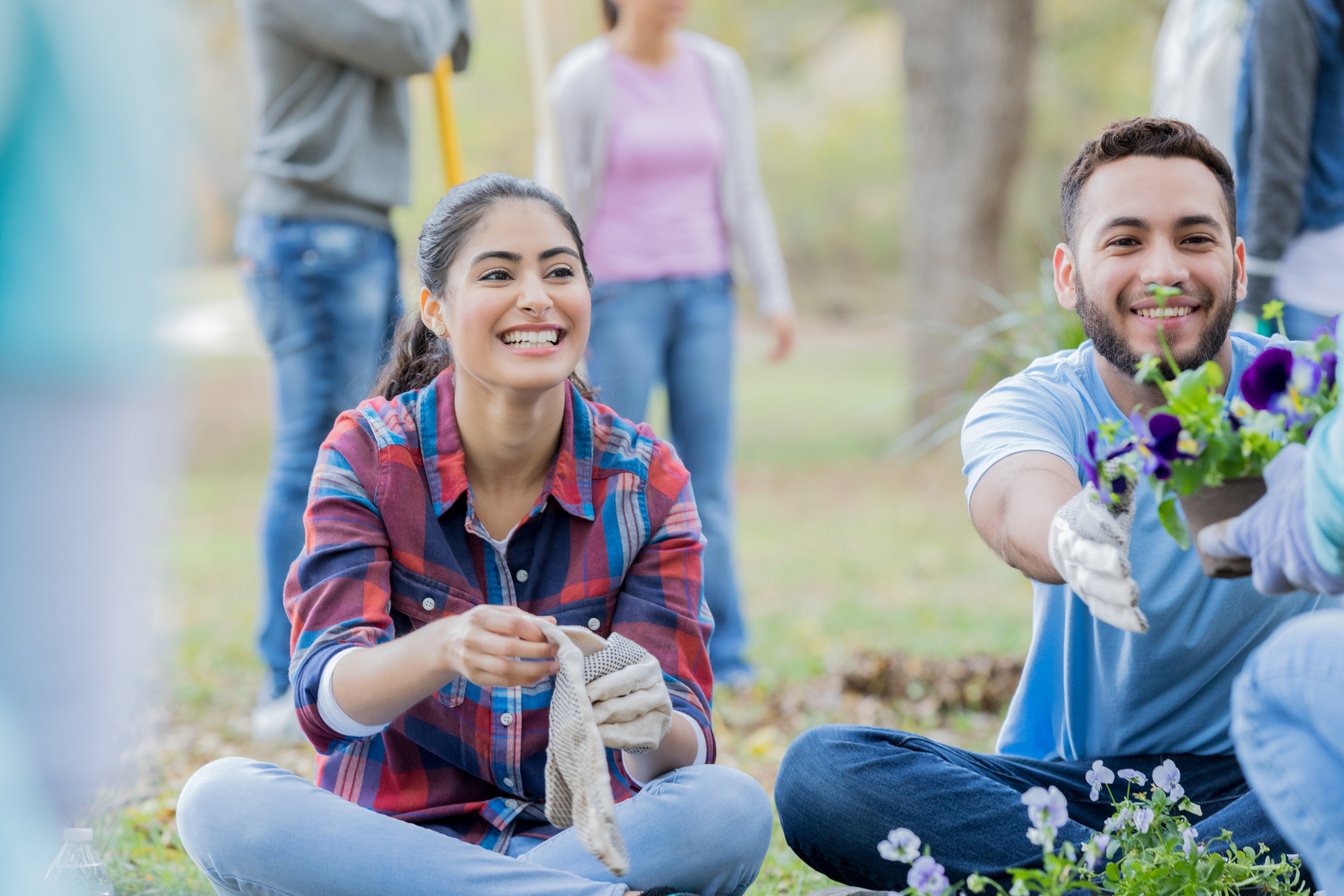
x=392 y=544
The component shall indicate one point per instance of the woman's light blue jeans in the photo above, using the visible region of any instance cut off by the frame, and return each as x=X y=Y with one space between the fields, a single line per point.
x=842 y=788
x=260 y=830
x=679 y=331
x=1288 y=724
x=325 y=297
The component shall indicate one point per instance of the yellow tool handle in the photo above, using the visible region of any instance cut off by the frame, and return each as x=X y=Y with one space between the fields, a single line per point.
x=443 y=104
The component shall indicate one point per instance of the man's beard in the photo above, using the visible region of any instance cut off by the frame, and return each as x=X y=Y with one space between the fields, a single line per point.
x=1110 y=342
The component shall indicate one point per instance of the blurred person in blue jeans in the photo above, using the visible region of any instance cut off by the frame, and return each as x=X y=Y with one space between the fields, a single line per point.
x=1288 y=705
x=85 y=232
x=1289 y=140
x=658 y=164
x=330 y=157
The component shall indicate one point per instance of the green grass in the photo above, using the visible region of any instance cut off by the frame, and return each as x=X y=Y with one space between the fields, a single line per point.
x=843 y=548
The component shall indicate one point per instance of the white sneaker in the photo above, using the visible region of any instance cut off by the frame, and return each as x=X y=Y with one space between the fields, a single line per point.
x=274 y=720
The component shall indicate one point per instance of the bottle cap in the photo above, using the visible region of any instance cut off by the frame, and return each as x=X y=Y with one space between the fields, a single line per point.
x=79 y=835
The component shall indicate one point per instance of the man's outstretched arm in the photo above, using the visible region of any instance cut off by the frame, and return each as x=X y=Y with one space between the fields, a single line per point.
x=1031 y=511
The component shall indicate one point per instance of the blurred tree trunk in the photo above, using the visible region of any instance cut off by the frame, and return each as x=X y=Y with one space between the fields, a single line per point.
x=967 y=64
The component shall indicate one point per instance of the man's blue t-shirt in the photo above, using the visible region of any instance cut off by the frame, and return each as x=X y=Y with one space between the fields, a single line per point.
x=1090 y=690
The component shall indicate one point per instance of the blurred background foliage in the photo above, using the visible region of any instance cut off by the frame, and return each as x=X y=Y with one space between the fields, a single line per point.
x=828 y=85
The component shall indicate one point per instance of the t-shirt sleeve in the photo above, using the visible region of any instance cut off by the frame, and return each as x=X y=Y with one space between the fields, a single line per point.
x=1022 y=413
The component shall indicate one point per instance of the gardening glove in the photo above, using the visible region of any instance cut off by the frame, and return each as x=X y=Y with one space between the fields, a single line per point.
x=630 y=701
x=578 y=782
x=1273 y=533
x=1089 y=547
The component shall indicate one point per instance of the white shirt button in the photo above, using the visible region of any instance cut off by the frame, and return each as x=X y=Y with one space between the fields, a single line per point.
x=594 y=623
x=310 y=256
x=427 y=603
x=521 y=575
x=508 y=782
x=511 y=804
x=506 y=719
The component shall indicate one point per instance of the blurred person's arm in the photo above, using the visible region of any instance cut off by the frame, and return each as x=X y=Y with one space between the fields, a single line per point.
x=386 y=38
x=1282 y=42
x=752 y=227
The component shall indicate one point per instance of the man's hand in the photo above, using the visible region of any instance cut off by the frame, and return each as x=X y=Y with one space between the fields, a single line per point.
x=1273 y=533
x=1089 y=546
x=631 y=705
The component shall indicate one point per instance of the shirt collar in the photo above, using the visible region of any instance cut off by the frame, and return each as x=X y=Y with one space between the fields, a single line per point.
x=569 y=481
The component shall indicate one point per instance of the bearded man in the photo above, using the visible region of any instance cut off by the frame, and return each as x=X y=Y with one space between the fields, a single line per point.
x=1133 y=649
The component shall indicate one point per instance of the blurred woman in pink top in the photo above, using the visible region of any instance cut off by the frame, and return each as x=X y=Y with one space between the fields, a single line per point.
x=657 y=158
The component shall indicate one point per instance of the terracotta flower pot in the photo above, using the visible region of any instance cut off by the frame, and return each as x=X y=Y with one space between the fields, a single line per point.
x=1211 y=505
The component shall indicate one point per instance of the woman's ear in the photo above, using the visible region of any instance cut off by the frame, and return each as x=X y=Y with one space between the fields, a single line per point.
x=431 y=312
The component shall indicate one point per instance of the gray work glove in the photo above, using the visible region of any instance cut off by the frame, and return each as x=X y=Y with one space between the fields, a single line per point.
x=630 y=701
x=578 y=782
x=1089 y=547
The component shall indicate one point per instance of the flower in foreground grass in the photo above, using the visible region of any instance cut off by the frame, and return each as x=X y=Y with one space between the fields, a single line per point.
x=1168 y=778
x=1143 y=819
x=1132 y=776
x=1188 y=841
x=1118 y=821
x=926 y=877
x=1158 y=442
x=1048 y=812
x=1098 y=776
x=1095 y=849
x=901 y=845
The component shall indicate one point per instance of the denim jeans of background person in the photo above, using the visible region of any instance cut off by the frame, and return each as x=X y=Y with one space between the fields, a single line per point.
x=679 y=331
x=325 y=298
x=330 y=156
x=1133 y=649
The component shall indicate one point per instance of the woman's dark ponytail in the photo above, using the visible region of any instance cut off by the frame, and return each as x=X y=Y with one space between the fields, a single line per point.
x=610 y=13
x=417 y=355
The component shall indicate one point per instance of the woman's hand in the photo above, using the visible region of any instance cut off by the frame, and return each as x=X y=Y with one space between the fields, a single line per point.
x=494 y=646
x=782 y=327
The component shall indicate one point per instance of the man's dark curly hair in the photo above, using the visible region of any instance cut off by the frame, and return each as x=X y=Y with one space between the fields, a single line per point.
x=1164 y=138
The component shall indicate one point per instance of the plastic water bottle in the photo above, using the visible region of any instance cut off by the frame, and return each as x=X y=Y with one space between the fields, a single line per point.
x=77 y=870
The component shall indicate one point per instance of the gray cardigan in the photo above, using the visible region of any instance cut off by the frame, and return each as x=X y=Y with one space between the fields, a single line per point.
x=332 y=123
x=580 y=103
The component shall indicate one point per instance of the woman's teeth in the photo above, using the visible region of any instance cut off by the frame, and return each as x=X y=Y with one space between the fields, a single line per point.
x=531 y=337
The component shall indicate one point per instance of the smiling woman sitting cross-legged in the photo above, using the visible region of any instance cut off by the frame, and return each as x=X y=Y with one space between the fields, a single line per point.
x=454 y=520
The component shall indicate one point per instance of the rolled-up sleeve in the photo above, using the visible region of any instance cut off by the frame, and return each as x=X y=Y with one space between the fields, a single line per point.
x=338 y=591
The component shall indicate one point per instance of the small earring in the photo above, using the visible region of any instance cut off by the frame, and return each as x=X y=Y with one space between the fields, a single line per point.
x=438 y=328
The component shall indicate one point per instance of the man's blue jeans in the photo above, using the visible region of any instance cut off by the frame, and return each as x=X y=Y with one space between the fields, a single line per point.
x=679 y=331
x=841 y=789
x=1288 y=724
x=325 y=297
x=259 y=830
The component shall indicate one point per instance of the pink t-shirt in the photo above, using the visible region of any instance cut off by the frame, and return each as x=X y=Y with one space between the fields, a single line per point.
x=658 y=215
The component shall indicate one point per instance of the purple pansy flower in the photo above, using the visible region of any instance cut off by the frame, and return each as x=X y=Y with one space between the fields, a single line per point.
x=1094 y=465
x=1158 y=441
x=1329 y=364
x=1278 y=381
x=926 y=877
x=1143 y=819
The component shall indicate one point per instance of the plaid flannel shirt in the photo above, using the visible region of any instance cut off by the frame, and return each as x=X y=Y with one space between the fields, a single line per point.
x=392 y=544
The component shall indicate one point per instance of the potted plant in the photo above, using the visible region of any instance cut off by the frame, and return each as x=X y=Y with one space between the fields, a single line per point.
x=1208 y=451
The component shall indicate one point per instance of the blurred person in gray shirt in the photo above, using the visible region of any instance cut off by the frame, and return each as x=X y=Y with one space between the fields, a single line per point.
x=330 y=157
